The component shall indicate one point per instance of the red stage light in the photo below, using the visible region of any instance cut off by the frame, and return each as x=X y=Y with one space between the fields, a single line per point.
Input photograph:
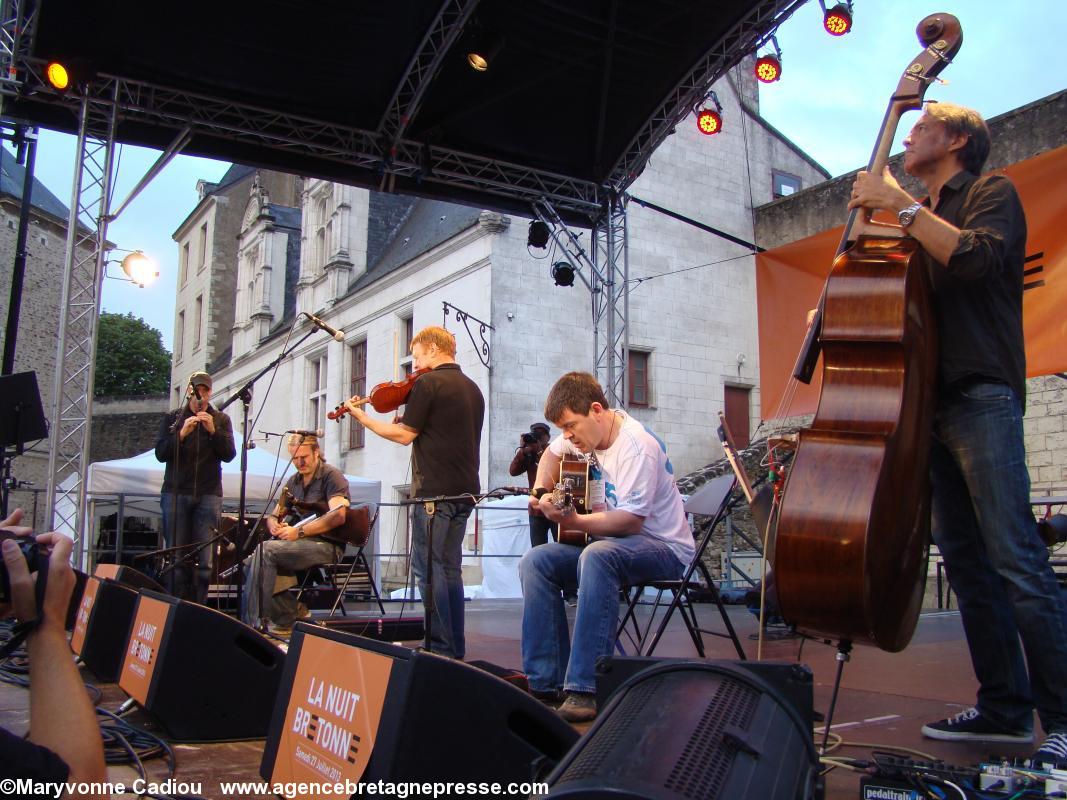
x=838 y=20
x=709 y=121
x=768 y=69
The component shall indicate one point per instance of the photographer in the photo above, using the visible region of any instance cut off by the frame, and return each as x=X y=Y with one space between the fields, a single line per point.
x=527 y=457
x=64 y=741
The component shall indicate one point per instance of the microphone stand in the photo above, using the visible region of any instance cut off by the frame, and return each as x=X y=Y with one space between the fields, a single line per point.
x=245 y=395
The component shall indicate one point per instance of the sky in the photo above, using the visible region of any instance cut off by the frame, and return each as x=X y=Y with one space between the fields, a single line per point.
x=830 y=102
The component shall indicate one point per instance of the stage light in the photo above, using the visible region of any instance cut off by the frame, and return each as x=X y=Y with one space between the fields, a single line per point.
x=838 y=20
x=538 y=235
x=709 y=121
x=58 y=76
x=483 y=48
x=769 y=67
x=563 y=274
x=709 y=115
x=139 y=268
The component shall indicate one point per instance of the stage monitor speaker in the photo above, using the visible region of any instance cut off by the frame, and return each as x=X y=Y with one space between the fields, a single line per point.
x=128 y=576
x=694 y=729
x=102 y=626
x=353 y=709
x=793 y=681
x=75 y=598
x=202 y=675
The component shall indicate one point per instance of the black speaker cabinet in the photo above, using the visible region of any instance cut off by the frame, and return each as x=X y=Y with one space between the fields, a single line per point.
x=102 y=626
x=201 y=674
x=693 y=729
x=127 y=576
x=75 y=598
x=414 y=717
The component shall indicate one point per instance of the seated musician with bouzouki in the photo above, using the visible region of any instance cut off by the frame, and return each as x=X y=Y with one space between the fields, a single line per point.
x=306 y=531
x=635 y=531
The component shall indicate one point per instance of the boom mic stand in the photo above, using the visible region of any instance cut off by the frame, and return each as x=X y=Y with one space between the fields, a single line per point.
x=245 y=395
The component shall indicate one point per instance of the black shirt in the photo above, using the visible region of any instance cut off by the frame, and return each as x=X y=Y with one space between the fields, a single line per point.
x=978 y=295
x=21 y=758
x=195 y=466
x=446 y=408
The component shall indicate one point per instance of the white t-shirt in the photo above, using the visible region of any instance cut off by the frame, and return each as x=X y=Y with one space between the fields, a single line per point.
x=638 y=477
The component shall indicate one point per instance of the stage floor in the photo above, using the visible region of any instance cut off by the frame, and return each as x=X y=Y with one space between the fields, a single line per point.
x=884 y=700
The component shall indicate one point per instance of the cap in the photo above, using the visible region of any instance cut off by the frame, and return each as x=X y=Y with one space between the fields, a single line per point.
x=540 y=426
x=200 y=379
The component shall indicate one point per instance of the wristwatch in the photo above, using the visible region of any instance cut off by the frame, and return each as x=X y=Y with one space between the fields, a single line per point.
x=299 y=533
x=906 y=216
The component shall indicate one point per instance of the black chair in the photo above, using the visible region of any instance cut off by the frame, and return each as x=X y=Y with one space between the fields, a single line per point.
x=357 y=575
x=712 y=499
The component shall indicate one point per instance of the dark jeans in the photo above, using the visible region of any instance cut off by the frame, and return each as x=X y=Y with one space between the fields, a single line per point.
x=188 y=519
x=540 y=527
x=449 y=525
x=276 y=557
x=996 y=562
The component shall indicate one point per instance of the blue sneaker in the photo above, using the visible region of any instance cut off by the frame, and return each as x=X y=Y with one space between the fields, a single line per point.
x=971 y=726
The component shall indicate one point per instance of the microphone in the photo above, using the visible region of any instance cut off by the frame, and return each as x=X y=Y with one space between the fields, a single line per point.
x=318 y=323
x=318 y=434
x=515 y=489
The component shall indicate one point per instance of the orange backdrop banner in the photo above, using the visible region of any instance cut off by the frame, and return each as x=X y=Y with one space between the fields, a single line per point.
x=789 y=280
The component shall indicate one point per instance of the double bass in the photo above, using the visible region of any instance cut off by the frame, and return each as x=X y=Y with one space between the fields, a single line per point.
x=853 y=527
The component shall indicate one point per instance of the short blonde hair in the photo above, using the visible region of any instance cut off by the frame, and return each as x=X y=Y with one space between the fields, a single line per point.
x=436 y=335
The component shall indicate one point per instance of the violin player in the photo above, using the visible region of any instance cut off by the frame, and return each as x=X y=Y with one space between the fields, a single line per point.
x=295 y=547
x=442 y=421
x=973 y=232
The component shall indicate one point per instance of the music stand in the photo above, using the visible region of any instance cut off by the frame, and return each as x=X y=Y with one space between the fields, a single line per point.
x=22 y=420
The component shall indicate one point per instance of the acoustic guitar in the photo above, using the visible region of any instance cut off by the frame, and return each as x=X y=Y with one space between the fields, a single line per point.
x=571 y=495
x=354 y=530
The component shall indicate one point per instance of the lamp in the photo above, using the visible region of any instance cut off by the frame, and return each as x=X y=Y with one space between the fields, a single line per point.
x=709 y=115
x=838 y=20
x=58 y=76
x=563 y=273
x=139 y=268
x=483 y=48
x=538 y=235
x=769 y=67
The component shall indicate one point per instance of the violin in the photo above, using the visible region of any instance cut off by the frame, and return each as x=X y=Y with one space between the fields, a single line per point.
x=384 y=397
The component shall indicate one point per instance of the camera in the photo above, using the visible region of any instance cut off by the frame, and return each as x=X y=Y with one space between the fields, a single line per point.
x=35 y=559
x=528 y=438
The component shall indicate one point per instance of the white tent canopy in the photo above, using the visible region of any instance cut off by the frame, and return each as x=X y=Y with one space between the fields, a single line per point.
x=143 y=474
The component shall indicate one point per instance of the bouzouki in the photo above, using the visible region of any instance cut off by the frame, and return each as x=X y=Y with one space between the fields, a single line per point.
x=354 y=530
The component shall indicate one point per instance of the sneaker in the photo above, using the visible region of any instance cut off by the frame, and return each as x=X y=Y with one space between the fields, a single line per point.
x=578 y=707
x=1053 y=753
x=971 y=726
x=279 y=630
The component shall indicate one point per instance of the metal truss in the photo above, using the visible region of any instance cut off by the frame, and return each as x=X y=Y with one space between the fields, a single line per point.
x=79 y=311
x=404 y=104
x=605 y=273
x=18 y=20
x=749 y=32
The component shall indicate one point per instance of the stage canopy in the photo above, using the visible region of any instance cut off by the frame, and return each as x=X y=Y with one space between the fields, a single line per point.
x=577 y=95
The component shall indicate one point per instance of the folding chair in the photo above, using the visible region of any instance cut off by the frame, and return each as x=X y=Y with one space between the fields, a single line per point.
x=714 y=498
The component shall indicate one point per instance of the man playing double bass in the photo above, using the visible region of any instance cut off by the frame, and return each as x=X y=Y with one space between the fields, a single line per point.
x=973 y=232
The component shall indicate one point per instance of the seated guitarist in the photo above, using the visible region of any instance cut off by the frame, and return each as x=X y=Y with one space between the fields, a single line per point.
x=295 y=547
x=638 y=532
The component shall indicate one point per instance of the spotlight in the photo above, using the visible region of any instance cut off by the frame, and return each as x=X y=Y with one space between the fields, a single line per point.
x=483 y=48
x=838 y=20
x=709 y=115
x=58 y=76
x=769 y=67
x=538 y=235
x=563 y=274
x=140 y=268
x=709 y=121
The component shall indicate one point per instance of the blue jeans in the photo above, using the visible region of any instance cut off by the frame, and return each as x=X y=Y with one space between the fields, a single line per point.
x=449 y=525
x=599 y=570
x=275 y=557
x=996 y=562
x=188 y=519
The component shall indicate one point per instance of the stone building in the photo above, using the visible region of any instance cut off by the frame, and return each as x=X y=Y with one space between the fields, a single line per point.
x=381 y=267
